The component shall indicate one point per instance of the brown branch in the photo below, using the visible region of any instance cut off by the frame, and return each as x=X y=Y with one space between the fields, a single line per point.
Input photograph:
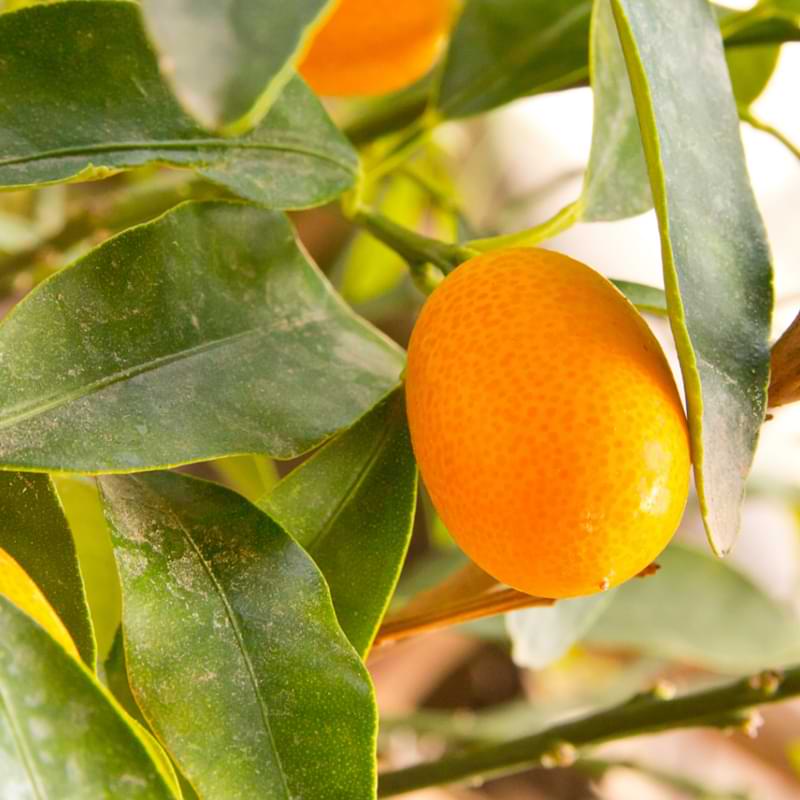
x=784 y=385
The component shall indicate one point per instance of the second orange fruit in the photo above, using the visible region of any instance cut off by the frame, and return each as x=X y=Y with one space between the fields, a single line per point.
x=370 y=47
x=546 y=423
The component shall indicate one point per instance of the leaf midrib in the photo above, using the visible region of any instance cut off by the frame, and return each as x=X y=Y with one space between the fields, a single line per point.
x=134 y=371
x=351 y=490
x=177 y=145
x=231 y=615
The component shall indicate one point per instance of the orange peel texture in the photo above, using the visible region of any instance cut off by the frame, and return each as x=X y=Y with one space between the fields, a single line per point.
x=370 y=47
x=546 y=423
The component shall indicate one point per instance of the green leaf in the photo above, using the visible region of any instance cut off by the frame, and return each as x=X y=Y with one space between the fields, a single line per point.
x=713 y=241
x=615 y=185
x=504 y=49
x=116 y=672
x=698 y=610
x=109 y=109
x=768 y=22
x=540 y=636
x=96 y=558
x=204 y=333
x=61 y=735
x=751 y=69
x=351 y=506
x=646 y=298
x=228 y=62
x=35 y=533
x=219 y=598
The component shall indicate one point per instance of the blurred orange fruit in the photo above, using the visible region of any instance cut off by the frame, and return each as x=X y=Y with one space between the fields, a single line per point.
x=19 y=588
x=370 y=47
x=546 y=423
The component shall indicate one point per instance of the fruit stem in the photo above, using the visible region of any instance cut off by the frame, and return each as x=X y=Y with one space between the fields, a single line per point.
x=490 y=603
x=718 y=708
x=565 y=218
x=784 y=386
x=415 y=248
x=468 y=594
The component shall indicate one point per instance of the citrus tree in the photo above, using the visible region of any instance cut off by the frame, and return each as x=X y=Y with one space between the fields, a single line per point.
x=209 y=448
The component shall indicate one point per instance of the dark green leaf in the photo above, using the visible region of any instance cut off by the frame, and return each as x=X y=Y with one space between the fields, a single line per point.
x=60 y=734
x=204 y=333
x=351 y=507
x=93 y=543
x=35 y=533
x=222 y=601
x=504 y=49
x=698 y=610
x=615 y=185
x=228 y=62
x=713 y=241
x=542 y=635
x=83 y=97
x=768 y=22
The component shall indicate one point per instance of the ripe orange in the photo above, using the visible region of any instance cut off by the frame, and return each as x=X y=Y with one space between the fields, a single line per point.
x=546 y=423
x=370 y=47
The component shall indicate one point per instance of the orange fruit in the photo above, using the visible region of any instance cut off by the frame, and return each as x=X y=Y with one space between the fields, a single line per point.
x=546 y=423
x=370 y=47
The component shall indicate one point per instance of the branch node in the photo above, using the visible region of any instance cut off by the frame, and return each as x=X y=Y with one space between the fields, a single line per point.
x=768 y=682
x=562 y=754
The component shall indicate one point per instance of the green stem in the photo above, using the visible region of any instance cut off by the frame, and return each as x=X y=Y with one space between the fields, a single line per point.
x=720 y=707
x=565 y=218
x=411 y=141
x=747 y=116
x=416 y=249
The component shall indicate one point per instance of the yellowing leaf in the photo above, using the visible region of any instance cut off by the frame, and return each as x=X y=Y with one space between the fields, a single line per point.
x=18 y=587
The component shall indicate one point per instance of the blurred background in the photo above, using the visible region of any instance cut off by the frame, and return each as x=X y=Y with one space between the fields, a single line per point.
x=692 y=624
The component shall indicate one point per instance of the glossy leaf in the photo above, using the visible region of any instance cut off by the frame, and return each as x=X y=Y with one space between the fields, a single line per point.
x=17 y=586
x=699 y=610
x=60 y=733
x=504 y=49
x=109 y=109
x=351 y=506
x=713 y=241
x=540 y=636
x=228 y=62
x=616 y=184
x=204 y=333
x=93 y=544
x=219 y=598
x=35 y=533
